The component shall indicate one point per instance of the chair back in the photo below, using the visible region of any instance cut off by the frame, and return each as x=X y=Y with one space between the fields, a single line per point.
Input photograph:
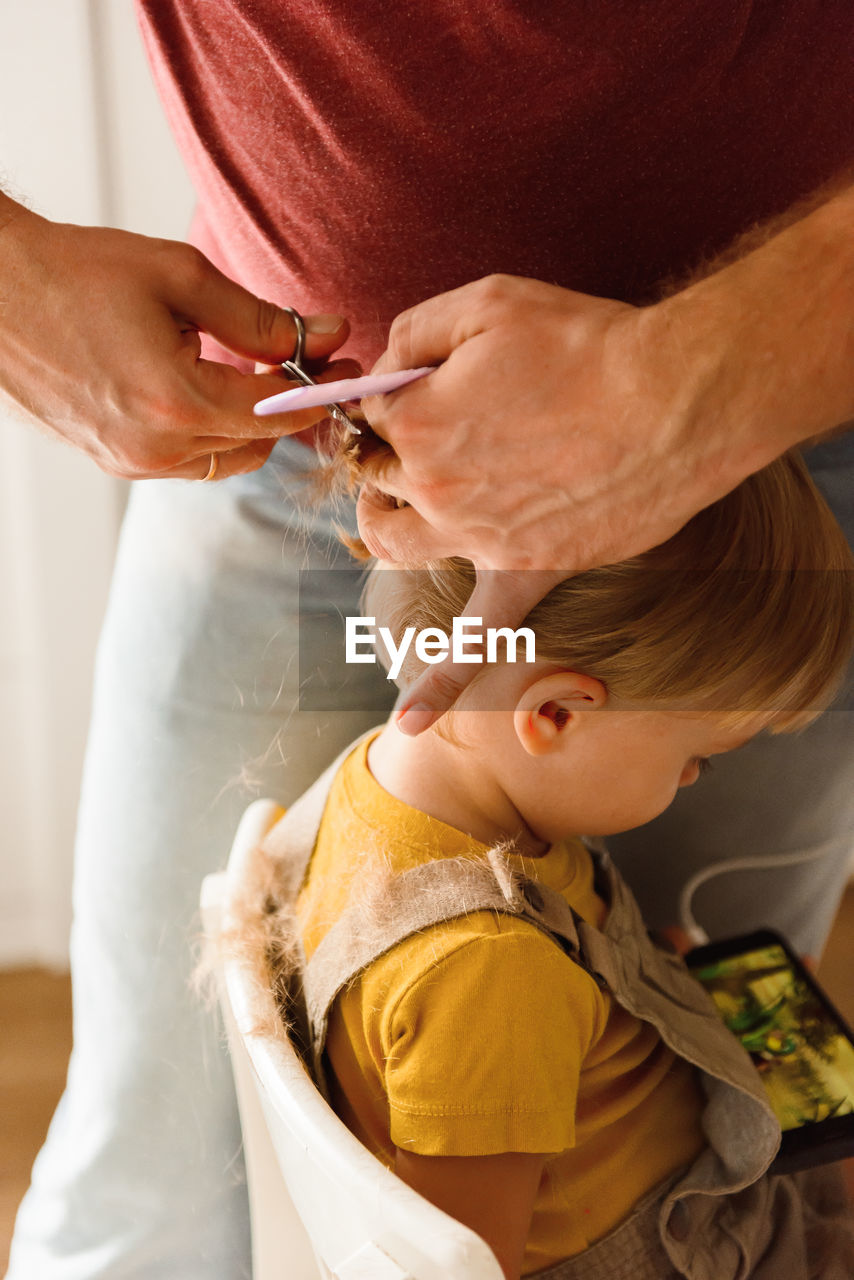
x=322 y=1205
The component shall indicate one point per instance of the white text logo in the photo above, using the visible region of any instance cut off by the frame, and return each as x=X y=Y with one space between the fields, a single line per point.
x=466 y=643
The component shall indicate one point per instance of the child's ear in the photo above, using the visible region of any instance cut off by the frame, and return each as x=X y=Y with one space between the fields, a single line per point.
x=552 y=707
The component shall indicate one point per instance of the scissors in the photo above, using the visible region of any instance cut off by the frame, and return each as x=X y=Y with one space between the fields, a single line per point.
x=312 y=393
x=293 y=368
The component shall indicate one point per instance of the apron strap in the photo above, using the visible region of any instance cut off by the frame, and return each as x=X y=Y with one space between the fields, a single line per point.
x=397 y=906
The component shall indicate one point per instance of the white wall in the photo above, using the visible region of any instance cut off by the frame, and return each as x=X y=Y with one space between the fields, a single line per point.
x=83 y=139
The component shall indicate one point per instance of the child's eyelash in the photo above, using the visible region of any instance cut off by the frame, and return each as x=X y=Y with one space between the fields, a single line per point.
x=704 y=763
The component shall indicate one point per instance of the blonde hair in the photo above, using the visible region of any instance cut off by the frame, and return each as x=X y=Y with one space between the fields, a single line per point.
x=748 y=609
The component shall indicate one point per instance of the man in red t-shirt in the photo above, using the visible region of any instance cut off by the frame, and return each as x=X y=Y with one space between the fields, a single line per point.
x=352 y=161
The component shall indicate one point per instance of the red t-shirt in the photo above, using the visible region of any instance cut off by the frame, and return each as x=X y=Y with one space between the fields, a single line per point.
x=359 y=156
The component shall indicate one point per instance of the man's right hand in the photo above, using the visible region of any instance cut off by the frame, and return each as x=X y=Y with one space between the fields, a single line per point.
x=99 y=343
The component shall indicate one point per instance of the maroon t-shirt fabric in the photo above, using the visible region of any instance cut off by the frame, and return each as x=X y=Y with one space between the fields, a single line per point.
x=360 y=155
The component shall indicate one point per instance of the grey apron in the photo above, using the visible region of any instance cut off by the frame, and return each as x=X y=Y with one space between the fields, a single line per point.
x=722 y=1218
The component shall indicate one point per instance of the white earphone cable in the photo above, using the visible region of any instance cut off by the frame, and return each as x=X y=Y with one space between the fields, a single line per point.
x=686 y=918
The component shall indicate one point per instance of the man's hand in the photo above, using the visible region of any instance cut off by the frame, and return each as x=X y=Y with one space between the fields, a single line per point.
x=99 y=343
x=564 y=431
x=540 y=447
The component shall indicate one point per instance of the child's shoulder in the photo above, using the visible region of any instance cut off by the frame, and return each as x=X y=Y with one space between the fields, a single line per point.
x=453 y=960
x=370 y=850
x=471 y=1023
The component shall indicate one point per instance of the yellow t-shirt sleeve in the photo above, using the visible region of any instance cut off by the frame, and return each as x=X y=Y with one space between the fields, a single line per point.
x=482 y=1051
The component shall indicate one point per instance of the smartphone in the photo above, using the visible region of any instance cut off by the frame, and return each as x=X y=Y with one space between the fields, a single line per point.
x=801 y=1046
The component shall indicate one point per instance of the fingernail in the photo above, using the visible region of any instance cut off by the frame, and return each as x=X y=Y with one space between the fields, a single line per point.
x=416 y=719
x=322 y=324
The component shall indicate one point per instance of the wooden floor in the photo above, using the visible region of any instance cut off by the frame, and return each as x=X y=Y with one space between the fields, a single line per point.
x=35 y=1040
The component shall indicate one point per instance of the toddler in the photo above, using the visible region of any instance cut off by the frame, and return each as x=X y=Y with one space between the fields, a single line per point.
x=476 y=988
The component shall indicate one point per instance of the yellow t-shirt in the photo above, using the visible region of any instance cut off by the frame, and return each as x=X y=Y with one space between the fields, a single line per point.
x=480 y=1035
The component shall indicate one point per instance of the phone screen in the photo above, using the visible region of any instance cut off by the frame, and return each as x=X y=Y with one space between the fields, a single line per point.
x=800 y=1049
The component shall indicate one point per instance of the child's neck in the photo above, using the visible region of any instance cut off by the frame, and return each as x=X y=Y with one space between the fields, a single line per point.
x=450 y=783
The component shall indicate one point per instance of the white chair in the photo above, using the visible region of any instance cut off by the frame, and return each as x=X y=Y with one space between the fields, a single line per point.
x=321 y=1204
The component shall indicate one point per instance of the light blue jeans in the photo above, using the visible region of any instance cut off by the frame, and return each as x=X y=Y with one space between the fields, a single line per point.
x=141 y=1176
x=194 y=715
